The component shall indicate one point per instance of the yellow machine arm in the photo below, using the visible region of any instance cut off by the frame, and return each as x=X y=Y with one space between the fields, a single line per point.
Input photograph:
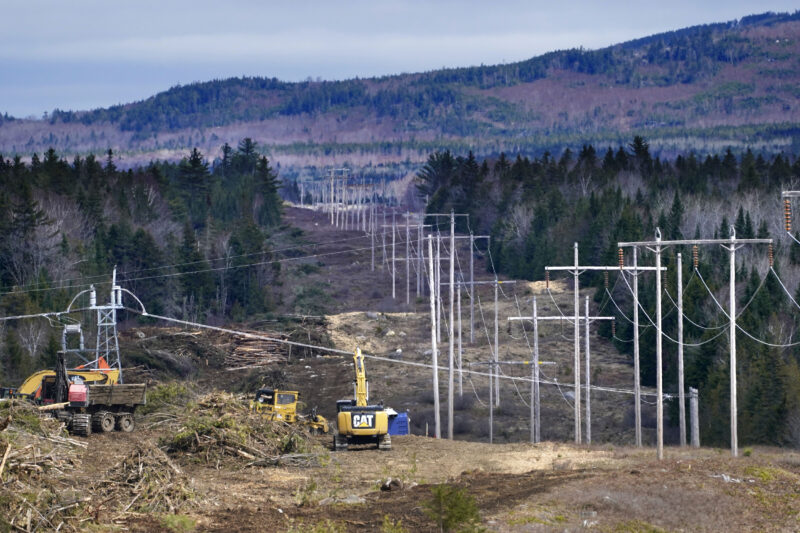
x=33 y=384
x=361 y=379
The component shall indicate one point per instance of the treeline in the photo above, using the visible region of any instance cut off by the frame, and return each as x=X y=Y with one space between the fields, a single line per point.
x=179 y=234
x=670 y=58
x=535 y=208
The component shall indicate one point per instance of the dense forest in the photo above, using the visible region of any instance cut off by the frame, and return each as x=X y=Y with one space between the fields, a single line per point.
x=177 y=233
x=536 y=208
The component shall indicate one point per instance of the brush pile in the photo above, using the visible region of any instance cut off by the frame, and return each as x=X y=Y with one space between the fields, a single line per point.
x=36 y=457
x=145 y=481
x=222 y=427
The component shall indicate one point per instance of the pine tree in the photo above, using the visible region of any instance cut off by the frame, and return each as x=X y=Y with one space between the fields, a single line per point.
x=269 y=213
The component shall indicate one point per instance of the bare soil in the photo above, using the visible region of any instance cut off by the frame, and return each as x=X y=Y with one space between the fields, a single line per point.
x=518 y=486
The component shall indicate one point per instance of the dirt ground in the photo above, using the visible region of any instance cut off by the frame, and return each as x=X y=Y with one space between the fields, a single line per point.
x=518 y=487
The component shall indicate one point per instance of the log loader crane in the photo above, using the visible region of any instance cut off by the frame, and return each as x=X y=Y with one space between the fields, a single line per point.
x=357 y=421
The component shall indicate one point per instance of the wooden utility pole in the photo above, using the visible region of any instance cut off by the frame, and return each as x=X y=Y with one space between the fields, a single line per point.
x=588 y=399
x=496 y=344
x=731 y=245
x=491 y=364
x=536 y=408
x=694 y=416
x=637 y=377
x=536 y=318
x=408 y=260
x=438 y=288
x=577 y=362
x=681 y=399
x=419 y=259
x=434 y=352
x=576 y=270
x=460 y=373
x=450 y=325
x=394 y=264
x=471 y=288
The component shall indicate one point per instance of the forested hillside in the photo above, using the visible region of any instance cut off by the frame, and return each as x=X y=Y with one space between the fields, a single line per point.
x=705 y=87
x=535 y=208
x=177 y=233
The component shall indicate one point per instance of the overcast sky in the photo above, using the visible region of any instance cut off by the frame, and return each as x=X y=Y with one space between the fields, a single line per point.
x=82 y=54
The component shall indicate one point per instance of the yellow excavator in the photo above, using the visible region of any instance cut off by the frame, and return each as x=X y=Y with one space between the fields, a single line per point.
x=282 y=405
x=32 y=386
x=357 y=421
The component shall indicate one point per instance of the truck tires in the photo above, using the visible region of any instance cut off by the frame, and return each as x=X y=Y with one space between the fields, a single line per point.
x=103 y=422
x=125 y=422
x=82 y=425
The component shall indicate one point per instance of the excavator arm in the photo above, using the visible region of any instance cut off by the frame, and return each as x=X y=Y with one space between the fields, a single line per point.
x=361 y=379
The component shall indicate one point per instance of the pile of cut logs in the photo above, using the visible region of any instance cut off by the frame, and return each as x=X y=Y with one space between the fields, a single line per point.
x=249 y=352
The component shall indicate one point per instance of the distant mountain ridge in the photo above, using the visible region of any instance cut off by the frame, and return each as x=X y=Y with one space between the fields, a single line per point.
x=704 y=87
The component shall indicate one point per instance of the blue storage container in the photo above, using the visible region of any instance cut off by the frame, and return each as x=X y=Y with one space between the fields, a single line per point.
x=398 y=424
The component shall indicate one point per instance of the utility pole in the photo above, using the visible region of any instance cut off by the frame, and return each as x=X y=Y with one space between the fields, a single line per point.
x=577 y=353
x=637 y=377
x=496 y=344
x=434 y=329
x=333 y=196
x=493 y=363
x=460 y=373
x=419 y=258
x=536 y=406
x=576 y=270
x=536 y=318
x=681 y=396
x=731 y=245
x=383 y=235
x=408 y=261
x=450 y=324
x=588 y=400
x=471 y=288
x=694 y=417
x=496 y=284
x=393 y=257
x=438 y=288
x=372 y=236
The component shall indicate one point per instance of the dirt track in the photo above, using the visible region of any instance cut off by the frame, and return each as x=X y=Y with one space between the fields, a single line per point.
x=518 y=487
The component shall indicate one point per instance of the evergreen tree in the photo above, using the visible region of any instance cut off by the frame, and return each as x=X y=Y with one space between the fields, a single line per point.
x=269 y=213
x=194 y=179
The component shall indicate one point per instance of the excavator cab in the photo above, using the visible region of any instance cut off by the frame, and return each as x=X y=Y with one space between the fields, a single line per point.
x=277 y=404
x=282 y=405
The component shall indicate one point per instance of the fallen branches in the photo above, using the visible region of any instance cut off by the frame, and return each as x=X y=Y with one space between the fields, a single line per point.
x=145 y=481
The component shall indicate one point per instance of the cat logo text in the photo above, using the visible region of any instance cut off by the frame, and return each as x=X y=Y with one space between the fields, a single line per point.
x=363 y=420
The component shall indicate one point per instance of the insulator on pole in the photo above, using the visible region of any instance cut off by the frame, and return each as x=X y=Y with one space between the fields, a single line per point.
x=695 y=260
x=613 y=328
x=771 y=257
x=787 y=214
x=621 y=259
x=605 y=279
x=547 y=279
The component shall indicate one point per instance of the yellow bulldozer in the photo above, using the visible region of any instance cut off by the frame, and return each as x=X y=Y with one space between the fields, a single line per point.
x=282 y=405
x=357 y=421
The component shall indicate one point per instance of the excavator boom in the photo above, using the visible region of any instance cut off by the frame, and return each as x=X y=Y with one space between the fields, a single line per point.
x=361 y=379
